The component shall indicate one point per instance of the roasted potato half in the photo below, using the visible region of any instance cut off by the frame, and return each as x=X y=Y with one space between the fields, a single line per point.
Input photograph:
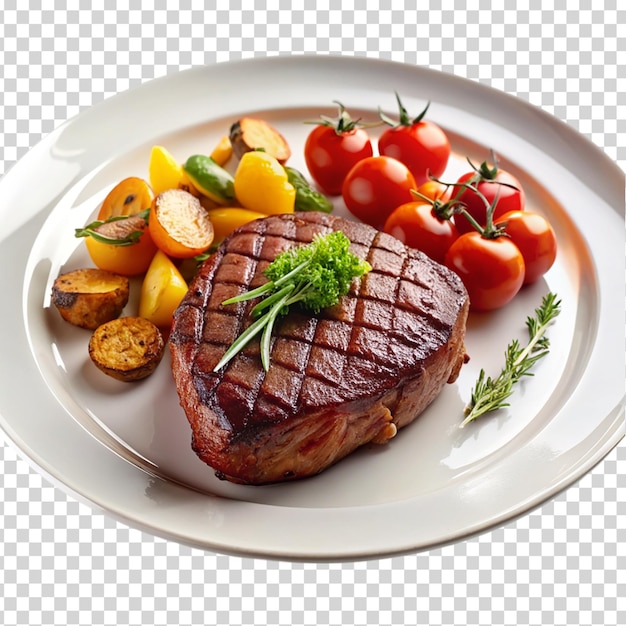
x=127 y=348
x=249 y=133
x=89 y=297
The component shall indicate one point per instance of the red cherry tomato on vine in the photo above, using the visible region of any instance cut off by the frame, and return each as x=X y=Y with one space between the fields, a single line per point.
x=492 y=270
x=489 y=182
x=416 y=224
x=332 y=148
x=535 y=238
x=435 y=190
x=375 y=186
x=420 y=144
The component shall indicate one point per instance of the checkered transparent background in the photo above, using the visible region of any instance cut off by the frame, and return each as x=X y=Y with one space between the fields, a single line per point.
x=64 y=564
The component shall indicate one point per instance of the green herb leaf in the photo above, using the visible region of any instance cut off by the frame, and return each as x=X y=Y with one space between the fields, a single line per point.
x=314 y=277
x=490 y=394
x=131 y=238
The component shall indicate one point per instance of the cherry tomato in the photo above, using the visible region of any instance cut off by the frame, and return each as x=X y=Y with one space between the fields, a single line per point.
x=332 y=148
x=416 y=224
x=435 y=190
x=488 y=182
x=535 y=238
x=375 y=186
x=420 y=144
x=492 y=270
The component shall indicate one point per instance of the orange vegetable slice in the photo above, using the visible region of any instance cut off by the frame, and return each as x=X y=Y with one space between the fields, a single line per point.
x=262 y=185
x=162 y=290
x=129 y=197
x=226 y=219
x=164 y=170
x=128 y=260
x=223 y=151
x=179 y=224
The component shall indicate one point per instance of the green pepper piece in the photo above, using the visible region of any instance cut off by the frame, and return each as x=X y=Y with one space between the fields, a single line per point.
x=210 y=179
x=307 y=198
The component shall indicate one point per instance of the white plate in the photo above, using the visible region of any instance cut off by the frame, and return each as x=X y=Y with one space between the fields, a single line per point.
x=125 y=448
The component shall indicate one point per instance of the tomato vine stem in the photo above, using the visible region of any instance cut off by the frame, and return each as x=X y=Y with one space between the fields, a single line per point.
x=405 y=118
x=343 y=123
x=489 y=230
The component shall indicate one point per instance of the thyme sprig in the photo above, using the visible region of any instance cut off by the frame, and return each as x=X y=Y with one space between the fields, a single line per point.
x=490 y=394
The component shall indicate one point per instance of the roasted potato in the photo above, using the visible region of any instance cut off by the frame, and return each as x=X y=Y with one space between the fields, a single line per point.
x=127 y=348
x=89 y=297
x=248 y=134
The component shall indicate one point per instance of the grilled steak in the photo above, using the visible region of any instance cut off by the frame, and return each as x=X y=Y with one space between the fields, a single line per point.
x=353 y=374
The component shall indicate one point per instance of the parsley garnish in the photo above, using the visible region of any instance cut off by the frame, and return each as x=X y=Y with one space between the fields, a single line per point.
x=313 y=276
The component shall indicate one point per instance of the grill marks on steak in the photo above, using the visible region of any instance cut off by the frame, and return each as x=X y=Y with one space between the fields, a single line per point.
x=336 y=379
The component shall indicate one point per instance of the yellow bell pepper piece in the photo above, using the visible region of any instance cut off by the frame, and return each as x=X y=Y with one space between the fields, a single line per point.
x=261 y=184
x=161 y=292
x=164 y=171
x=222 y=151
x=226 y=219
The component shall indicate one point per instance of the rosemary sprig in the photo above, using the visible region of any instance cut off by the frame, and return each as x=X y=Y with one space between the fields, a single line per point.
x=126 y=234
x=490 y=394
